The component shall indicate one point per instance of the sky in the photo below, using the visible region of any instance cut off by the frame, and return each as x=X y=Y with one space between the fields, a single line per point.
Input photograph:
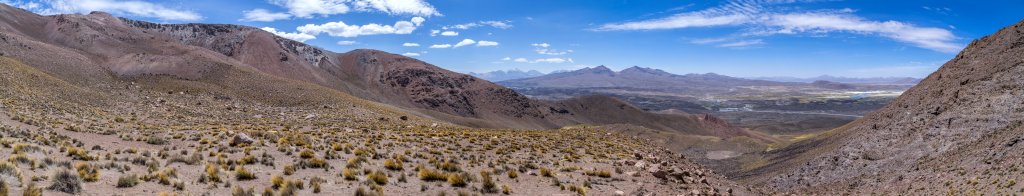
x=745 y=38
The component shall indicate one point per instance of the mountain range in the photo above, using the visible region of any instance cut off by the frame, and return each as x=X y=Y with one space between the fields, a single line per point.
x=849 y=80
x=502 y=75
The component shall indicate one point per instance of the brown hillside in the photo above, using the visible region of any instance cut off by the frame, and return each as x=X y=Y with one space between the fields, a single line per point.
x=957 y=132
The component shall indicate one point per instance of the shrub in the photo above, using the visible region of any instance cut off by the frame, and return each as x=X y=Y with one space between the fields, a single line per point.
x=127 y=181
x=449 y=166
x=66 y=181
x=456 y=180
x=9 y=169
x=349 y=174
x=546 y=172
x=289 y=170
x=239 y=191
x=156 y=140
x=430 y=175
x=488 y=183
x=243 y=174
x=578 y=189
x=276 y=181
x=513 y=174
x=378 y=177
x=4 y=190
x=392 y=164
x=79 y=154
x=213 y=173
x=506 y=190
x=307 y=154
x=317 y=163
x=89 y=173
x=32 y=190
x=602 y=174
x=289 y=188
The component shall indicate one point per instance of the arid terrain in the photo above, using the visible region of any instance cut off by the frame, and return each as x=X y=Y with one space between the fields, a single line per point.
x=130 y=107
x=93 y=104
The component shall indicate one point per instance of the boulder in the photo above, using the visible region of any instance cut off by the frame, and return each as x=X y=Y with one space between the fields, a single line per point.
x=240 y=139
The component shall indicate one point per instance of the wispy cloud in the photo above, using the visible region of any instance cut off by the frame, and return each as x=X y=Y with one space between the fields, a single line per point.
x=262 y=15
x=411 y=54
x=492 y=23
x=312 y=8
x=347 y=42
x=119 y=7
x=742 y=44
x=407 y=44
x=543 y=48
x=540 y=60
x=913 y=69
x=765 y=18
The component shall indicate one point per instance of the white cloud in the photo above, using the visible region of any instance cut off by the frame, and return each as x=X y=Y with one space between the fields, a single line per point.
x=394 y=7
x=506 y=58
x=711 y=40
x=486 y=43
x=552 y=60
x=407 y=44
x=492 y=23
x=762 y=19
x=742 y=43
x=418 y=20
x=301 y=37
x=464 y=42
x=441 y=46
x=118 y=7
x=411 y=54
x=347 y=42
x=434 y=32
x=311 y=8
x=340 y=29
x=937 y=39
x=262 y=15
x=449 y=33
x=541 y=60
x=543 y=48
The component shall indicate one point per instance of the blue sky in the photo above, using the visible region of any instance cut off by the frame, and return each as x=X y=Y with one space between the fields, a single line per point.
x=746 y=38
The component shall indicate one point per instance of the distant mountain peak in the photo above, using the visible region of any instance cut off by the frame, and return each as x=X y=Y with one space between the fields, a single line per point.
x=644 y=70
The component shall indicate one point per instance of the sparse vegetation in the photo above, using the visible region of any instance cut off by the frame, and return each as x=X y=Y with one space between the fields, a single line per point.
x=127 y=181
x=65 y=181
x=242 y=174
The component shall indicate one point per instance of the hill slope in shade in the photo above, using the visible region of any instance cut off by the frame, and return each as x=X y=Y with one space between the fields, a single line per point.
x=957 y=132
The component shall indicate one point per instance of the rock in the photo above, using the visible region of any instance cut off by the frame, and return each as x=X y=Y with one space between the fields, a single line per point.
x=640 y=164
x=241 y=138
x=310 y=116
x=618 y=192
x=654 y=168
x=633 y=173
x=629 y=162
x=638 y=156
x=660 y=174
